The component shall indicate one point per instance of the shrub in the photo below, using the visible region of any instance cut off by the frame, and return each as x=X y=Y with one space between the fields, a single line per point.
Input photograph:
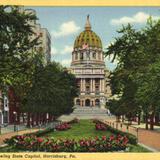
x=75 y=120
x=41 y=132
x=62 y=127
x=100 y=126
x=96 y=121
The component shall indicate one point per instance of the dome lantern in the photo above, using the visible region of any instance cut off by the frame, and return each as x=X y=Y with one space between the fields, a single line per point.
x=88 y=25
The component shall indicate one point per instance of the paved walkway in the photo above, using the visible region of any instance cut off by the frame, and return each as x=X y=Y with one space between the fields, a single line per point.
x=146 y=137
x=9 y=135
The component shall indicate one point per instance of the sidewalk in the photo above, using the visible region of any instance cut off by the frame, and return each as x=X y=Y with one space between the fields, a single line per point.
x=9 y=135
x=147 y=137
x=24 y=130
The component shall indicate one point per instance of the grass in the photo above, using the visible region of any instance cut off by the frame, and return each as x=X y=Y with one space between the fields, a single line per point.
x=137 y=148
x=84 y=129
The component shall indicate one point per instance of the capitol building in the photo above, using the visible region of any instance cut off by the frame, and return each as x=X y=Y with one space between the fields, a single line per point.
x=89 y=68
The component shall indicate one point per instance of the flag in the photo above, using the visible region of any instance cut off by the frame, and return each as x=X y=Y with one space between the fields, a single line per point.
x=84 y=46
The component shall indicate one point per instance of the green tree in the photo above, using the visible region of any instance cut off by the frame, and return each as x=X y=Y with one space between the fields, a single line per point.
x=16 y=46
x=53 y=90
x=134 y=78
x=125 y=50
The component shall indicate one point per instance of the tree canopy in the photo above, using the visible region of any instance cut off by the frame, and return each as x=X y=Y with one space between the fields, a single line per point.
x=53 y=90
x=134 y=80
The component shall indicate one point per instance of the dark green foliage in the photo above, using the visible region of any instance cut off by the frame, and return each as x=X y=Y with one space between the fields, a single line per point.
x=53 y=90
x=16 y=48
x=135 y=81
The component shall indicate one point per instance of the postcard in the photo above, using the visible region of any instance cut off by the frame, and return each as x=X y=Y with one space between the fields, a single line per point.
x=79 y=80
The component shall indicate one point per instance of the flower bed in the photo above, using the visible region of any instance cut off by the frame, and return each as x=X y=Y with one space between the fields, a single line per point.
x=97 y=144
x=102 y=126
x=62 y=127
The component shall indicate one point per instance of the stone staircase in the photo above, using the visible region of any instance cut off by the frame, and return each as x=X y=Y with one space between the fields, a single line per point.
x=87 y=113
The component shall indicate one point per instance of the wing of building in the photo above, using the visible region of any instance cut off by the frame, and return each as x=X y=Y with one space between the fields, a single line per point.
x=89 y=68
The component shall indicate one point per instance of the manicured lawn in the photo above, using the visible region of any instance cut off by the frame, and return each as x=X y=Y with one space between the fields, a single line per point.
x=137 y=148
x=84 y=129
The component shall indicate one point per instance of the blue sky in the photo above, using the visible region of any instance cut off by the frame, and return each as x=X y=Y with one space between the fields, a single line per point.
x=65 y=24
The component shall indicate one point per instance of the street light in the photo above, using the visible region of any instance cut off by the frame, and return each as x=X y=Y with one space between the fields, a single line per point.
x=15 y=114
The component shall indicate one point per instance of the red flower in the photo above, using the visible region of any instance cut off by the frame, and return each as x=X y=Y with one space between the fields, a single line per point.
x=40 y=140
x=104 y=138
x=111 y=137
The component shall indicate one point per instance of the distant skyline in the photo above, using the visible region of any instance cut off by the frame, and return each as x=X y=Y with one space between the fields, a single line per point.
x=65 y=24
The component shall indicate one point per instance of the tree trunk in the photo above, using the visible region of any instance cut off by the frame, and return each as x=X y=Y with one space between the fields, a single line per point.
x=123 y=118
x=37 y=119
x=28 y=120
x=32 y=117
x=146 y=120
x=152 y=121
x=40 y=118
x=23 y=118
x=117 y=118
x=157 y=119
x=129 y=121
x=139 y=118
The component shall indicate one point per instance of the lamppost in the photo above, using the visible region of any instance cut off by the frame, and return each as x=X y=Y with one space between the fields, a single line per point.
x=15 y=115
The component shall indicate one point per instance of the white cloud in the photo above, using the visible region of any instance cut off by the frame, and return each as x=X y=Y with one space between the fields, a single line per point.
x=66 y=62
x=66 y=28
x=54 y=51
x=67 y=49
x=139 y=17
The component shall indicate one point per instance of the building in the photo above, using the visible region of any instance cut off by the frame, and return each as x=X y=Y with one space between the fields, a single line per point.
x=89 y=68
x=4 y=109
x=44 y=40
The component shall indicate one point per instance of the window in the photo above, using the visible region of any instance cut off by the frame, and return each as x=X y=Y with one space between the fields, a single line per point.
x=94 y=55
x=99 y=56
x=81 y=56
x=76 y=56
x=97 y=102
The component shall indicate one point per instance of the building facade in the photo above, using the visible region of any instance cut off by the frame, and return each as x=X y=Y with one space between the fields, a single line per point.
x=89 y=68
x=44 y=40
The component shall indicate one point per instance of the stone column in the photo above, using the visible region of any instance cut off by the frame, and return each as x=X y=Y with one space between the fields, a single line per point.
x=102 y=56
x=84 y=85
x=80 y=102
x=91 y=85
x=103 y=85
x=84 y=55
x=100 y=85
x=94 y=103
x=81 y=85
